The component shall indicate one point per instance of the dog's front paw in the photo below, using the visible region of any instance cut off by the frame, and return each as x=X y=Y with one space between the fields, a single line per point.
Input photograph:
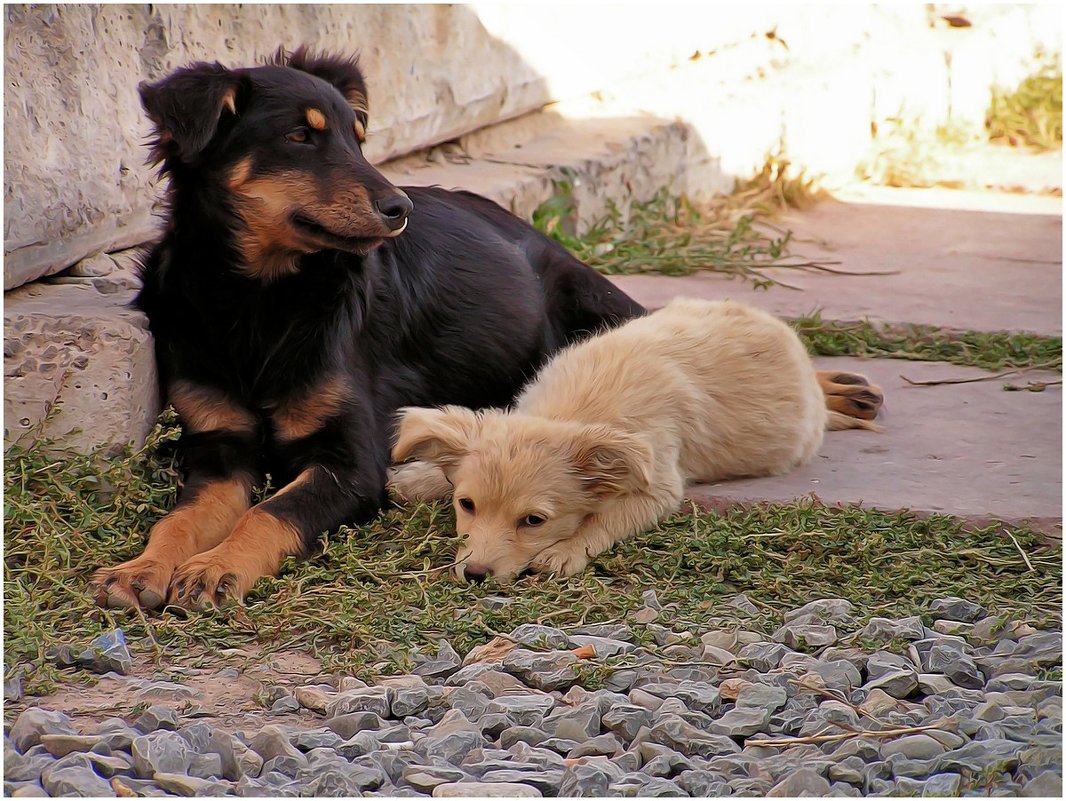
x=141 y=582
x=207 y=580
x=563 y=559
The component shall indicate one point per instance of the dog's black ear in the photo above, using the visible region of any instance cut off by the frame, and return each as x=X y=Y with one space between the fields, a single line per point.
x=186 y=107
x=611 y=462
x=440 y=436
x=343 y=73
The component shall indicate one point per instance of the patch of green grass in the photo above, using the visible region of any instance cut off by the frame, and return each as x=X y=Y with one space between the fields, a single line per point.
x=995 y=350
x=1031 y=113
x=673 y=236
x=377 y=591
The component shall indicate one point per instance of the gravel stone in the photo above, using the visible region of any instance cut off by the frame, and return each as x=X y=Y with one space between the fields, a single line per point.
x=574 y=724
x=155 y=718
x=180 y=784
x=741 y=722
x=603 y=646
x=347 y=726
x=1045 y=785
x=881 y=630
x=699 y=696
x=549 y=670
x=444 y=664
x=703 y=784
x=762 y=656
x=952 y=608
x=365 y=699
x=425 y=778
x=72 y=780
x=59 y=745
x=897 y=683
x=530 y=735
x=160 y=751
x=522 y=710
x=601 y=745
x=803 y=782
x=285 y=704
x=957 y=666
x=762 y=696
x=805 y=636
x=313 y=698
x=485 y=790
x=588 y=779
x=626 y=720
x=34 y=722
x=107 y=653
x=914 y=746
x=544 y=781
x=685 y=738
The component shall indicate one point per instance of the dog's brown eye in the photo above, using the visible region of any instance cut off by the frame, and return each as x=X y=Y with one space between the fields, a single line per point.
x=532 y=520
x=466 y=504
x=299 y=136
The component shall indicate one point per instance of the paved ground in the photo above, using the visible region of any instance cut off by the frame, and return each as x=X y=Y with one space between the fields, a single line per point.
x=982 y=261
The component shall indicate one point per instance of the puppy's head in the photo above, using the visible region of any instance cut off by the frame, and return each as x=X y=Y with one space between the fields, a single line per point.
x=281 y=147
x=521 y=483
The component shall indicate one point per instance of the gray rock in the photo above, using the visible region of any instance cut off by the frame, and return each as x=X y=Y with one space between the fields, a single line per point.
x=364 y=699
x=25 y=790
x=914 y=746
x=408 y=701
x=73 y=780
x=34 y=722
x=544 y=781
x=762 y=696
x=13 y=686
x=425 y=778
x=979 y=755
x=851 y=769
x=612 y=631
x=108 y=766
x=601 y=745
x=485 y=790
x=842 y=790
x=164 y=691
x=560 y=745
x=272 y=742
x=157 y=717
x=897 y=683
x=453 y=746
x=588 y=779
x=107 y=653
x=236 y=759
x=316 y=738
x=160 y=751
x=59 y=745
x=802 y=783
x=934 y=683
x=549 y=670
x=522 y=710
x=703 y=784
x=957 y=666
x=805 y=636
x=882 y=630
x=445 y=663
x=699 y=696
x=685 y=738
x=651 y=601
x=574 y=724
x=762 y=656
x=626 y=720
x=664 y=762
x=522 y=734
x=835 y=611
x=1043 y=649
x=942 y=785
x=347 y=726
x=741 y=722
x=180 y=784
x=743 y=604
x=1047 y=784
x=285 y=704
x=951 y=608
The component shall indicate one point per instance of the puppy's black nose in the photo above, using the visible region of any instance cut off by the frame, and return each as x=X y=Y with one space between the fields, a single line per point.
x=393 y=210
x=476 y=573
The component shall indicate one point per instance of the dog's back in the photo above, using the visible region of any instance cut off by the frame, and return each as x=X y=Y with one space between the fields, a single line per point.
x=727 y=388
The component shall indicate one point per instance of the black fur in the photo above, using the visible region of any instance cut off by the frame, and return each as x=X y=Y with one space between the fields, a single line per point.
x=461 y=307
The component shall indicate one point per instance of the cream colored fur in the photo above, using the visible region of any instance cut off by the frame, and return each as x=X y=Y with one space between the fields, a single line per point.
x=601 y=445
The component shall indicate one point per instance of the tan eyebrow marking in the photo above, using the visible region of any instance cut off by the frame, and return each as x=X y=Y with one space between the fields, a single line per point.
x=316 y=119
x=360 y=131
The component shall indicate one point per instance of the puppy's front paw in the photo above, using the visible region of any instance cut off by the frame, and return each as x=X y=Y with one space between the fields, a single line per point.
x=563 y=559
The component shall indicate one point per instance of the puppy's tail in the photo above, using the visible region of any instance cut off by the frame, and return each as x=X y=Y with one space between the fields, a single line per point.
x=838 y=421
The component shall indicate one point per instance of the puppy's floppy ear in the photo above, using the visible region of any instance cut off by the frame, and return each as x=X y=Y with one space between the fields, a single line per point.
x=610 y=462
x=186 y=107
x=343 y=73
x=440 y=436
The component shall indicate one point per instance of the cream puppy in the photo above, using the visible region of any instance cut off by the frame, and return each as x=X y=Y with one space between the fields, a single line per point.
x=602 y=443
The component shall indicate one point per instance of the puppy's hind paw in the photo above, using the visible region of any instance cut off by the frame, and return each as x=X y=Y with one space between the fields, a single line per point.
x=561 y=559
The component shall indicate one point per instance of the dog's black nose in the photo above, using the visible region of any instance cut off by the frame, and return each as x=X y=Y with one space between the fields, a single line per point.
x=476 y=573
x=393 y=210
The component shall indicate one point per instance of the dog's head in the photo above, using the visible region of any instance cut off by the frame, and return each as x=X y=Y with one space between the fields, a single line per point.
x=521 y=483
x=281 y=147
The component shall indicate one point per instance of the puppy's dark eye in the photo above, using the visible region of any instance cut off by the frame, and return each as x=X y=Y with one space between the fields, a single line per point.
x=466 y=505
x=299 y=136
x=532 y=521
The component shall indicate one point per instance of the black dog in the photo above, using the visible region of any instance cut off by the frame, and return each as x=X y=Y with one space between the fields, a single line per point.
x=297 y=299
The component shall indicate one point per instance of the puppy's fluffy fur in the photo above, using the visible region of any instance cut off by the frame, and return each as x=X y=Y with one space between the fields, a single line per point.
x=602 y=443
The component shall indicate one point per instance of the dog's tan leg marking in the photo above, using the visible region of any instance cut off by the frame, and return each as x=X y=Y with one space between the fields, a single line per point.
x=255 y=548
x=619 y=520
x=303 y=415
x=850 y=394
x=199 y=522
